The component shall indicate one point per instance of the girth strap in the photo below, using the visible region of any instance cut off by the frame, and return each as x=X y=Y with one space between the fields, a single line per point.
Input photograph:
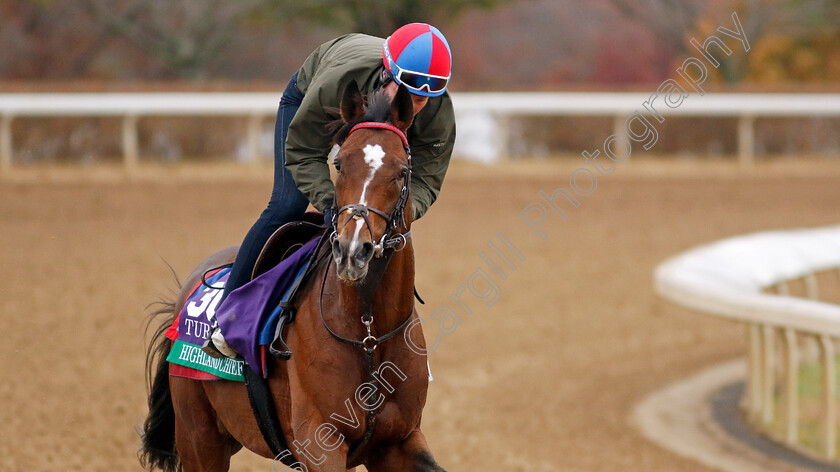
x=259 y=392
x=262 y=403
x=287 y=316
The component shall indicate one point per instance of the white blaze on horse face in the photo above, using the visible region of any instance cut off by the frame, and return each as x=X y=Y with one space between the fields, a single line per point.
x=373 y=157
x=355 y=241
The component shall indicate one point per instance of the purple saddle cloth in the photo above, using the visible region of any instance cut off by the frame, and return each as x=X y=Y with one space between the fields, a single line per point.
x=245 y=312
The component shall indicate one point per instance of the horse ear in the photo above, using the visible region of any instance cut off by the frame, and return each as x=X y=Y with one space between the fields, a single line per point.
x=402 y=109
x=352 y=104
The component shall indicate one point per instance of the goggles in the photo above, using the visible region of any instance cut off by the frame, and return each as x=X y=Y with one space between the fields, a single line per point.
x=416 y=80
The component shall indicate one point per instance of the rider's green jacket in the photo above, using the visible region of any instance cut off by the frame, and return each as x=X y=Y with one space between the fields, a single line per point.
x=322 y=80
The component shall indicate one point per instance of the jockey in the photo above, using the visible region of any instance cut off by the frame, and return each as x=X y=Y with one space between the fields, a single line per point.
x=416 y=56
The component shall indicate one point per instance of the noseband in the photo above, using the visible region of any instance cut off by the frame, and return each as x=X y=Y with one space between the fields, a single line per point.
x=389 y=239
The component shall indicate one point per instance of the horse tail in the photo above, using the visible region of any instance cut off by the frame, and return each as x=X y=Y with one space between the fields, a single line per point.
x=158 y=432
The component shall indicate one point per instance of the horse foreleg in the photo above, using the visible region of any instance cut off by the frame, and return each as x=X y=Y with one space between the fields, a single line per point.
x=316 y=451
x=201 y=445
x=411 y=454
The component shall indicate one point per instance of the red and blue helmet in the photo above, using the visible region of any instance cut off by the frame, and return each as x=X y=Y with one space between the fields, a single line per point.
x=418 y=57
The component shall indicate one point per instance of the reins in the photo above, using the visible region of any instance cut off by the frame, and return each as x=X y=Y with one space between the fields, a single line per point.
x=370 y=342
x=394 y=244
x=391 y=241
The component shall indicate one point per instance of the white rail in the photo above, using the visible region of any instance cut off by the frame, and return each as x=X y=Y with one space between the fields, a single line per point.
x=730 y=278
x=499 y=106
x=711 y=104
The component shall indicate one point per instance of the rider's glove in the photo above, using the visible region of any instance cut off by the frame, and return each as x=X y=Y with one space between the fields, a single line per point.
x=329 y=215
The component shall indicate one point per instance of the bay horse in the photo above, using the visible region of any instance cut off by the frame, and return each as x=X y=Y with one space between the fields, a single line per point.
x=348 y=336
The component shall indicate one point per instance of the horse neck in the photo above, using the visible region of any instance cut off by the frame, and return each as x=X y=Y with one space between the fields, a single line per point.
x=391 y=300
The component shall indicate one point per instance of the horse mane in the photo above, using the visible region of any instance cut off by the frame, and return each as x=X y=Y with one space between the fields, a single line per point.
x=377 y=110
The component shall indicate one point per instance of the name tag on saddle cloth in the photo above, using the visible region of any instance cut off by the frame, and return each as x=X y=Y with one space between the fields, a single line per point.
x=192 y=327
x=246 y=309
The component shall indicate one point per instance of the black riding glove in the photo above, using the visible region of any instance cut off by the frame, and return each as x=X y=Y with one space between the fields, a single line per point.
x=329 y=215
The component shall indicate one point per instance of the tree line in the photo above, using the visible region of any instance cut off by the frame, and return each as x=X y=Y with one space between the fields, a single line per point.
x=497 y=44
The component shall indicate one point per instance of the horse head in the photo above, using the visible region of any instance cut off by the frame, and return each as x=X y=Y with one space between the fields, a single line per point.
x=374 y=173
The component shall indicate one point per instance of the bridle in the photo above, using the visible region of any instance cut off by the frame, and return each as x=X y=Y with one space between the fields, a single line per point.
x=390 y=242
x=390 y=237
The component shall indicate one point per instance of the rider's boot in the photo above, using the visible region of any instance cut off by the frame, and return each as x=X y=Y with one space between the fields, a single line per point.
x=216 y=346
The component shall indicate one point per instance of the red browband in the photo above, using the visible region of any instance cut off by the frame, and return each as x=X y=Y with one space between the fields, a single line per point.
x=373 y=124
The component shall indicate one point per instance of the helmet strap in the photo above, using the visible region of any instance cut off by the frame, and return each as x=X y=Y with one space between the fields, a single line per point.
x=384 y=78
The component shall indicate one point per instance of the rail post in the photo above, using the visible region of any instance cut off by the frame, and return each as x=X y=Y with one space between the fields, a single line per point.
x=618 y=125
x=746 y=141
x=767 y=373
x=6 y=145
x=754 y=376
x=254 y=131
x=503 y=135
x=130 y=143
x=829 y=390
x=791 y=391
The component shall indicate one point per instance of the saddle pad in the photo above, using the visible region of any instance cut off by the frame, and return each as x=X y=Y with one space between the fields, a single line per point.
x=248 y=308
x=176 y=370
x=192 y=327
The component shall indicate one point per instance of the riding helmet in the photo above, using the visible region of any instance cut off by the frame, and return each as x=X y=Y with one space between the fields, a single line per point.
x=417 y=56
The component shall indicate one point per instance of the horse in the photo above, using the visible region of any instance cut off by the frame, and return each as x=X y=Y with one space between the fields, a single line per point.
x=353 y=391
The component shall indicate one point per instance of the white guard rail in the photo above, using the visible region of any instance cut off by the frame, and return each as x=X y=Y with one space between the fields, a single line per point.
x=470 y=107
x=729 y=278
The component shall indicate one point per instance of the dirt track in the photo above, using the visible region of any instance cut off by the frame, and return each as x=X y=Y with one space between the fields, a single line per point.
x=543 y=380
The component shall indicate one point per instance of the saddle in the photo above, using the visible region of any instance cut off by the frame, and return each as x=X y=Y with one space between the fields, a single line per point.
x=286 y=240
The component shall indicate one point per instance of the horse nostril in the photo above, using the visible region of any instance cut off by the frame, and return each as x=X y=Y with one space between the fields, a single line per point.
x=336 y=251
x=364 y=254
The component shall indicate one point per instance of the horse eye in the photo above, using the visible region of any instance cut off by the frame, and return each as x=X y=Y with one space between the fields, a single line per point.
x=337 y=165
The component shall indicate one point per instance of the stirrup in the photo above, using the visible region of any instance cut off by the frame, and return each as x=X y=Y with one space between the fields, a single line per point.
x=210 y=349
x=217 y=347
